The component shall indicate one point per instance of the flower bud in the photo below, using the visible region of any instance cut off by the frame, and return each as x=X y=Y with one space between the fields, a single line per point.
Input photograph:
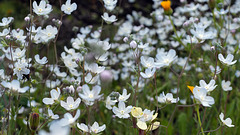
x=34 y=121
x=71 y=89
x=79 y=88
x=133 y=44
x=53 y=20
x=211 y=4
x=59 y=22
x=233 y=31
x=8 y=37
x=27 y=19
x=106 y=75
x=75 y=28
x=212 y=48
x=125 y=39
x=168 y=12
x=167 y=7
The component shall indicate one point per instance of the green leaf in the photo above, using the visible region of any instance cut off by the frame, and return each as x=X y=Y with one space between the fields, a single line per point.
x=182 y=121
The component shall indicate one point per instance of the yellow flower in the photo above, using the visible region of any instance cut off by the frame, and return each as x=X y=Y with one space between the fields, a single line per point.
x=136 y=112
x=152 y=126
x=166 y=5
x=142 y=125
x=191 y=88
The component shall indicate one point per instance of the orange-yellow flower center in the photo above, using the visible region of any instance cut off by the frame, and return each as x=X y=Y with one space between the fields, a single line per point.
x=166 y=4
x=191 y=88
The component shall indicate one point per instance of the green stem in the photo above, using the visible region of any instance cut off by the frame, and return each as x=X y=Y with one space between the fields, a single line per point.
x=33 y=132
x=199 y=119
x=175 y=31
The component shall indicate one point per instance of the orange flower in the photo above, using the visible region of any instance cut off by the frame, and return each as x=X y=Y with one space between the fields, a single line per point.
x=166 y=5
x=191 y=88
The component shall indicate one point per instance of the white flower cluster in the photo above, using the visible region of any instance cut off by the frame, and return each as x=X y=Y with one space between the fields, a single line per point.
x=140 y=54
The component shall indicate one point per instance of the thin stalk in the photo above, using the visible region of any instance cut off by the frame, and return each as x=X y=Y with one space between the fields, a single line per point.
x=175 y=31
x=155 y=84
x=212 y=130
x=199 y=119
x=178 y=85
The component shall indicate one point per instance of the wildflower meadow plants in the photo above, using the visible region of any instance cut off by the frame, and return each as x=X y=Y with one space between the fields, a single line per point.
x=112 y=75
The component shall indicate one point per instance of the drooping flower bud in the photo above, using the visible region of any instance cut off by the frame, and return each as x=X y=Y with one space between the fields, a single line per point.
x=34 y=121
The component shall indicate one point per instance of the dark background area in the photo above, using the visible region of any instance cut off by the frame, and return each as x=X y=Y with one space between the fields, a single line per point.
x=88 y=13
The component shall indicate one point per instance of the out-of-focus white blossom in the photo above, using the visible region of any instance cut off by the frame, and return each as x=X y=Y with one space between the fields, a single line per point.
x=42 y=9
x=68 y=8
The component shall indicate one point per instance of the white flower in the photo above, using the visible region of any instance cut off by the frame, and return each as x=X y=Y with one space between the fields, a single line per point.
x=147 y=62
x=19 y=35
x=68 y=8
x=40 y=61
x=102 y=57
x=42 y=9
x=6 y=21
x=226 y=85
x=4 y=32
x=144 y=117
x=213 y=69
x=190 y=40
x=70 y=104
x=209 y=87
x=52 y=84
x=228 y=61
x=122 y=111
x=69 y=62
x=52 y=115
x=200 y=33
x=20 y=68
x=104 y=45
x=33 y=29
x=83 y=127
x=148 y=73
x=109 y=103
x=85 y=30
x=14 y=85
x=221 y=11
x=143 y=46
x=147 y=115
x=165 y=59
x=90 y=79
x=18 y=53
x=69 y=119
x=110 y=4
x=90 y=95
x=201 y=95
x=2 y=74
x=168 y=98
x=95 y=68
x=237 y=73
x=227 y=122
x=124 y=96
x=56 y=129
x=109 y=19
x=48 y=33
x=95 y=128
x=55 y=93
